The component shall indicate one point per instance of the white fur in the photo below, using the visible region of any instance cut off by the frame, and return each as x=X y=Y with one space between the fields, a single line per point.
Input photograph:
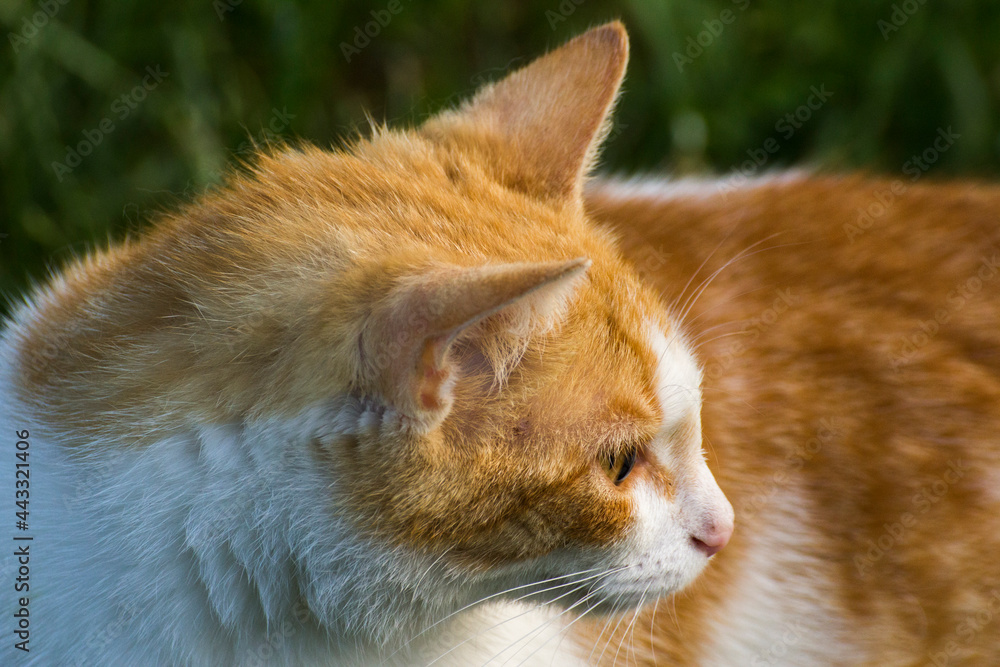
x=690 y=187
x=678 y=378
x=659 y=557
x=774 y=614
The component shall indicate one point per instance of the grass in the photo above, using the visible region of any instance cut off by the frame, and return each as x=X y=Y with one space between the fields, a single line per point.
x=230 y=72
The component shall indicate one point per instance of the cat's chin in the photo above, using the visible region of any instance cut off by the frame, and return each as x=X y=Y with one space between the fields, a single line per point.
x=623 y=604
x=613 y=594
x=635 y=593
x=619 y=599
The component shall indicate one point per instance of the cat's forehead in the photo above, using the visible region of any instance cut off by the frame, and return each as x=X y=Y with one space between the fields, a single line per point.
x=661 y=397
x=665 y=366
x=678 y=377
x=632 y=376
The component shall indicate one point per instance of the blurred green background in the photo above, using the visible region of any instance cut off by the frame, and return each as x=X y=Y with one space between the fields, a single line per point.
x=162 y=96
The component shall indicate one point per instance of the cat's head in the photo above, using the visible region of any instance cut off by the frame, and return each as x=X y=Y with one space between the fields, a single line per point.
x=530 y=409
x=509 y=401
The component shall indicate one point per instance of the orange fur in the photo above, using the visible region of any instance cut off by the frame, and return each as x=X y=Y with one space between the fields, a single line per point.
x=842 y=357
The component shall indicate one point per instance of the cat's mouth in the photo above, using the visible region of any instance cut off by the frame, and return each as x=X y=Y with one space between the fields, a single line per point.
x=612 y=595
x=636 y=593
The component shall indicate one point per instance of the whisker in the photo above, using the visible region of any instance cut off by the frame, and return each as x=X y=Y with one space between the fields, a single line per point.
x=680 y=294
x=743 y=254
x=737 y=396
x=652 y=628
x=696 y=340
x=552 y=620
x=611 y=637
x=687 y=300
x=571 y=583
x=486 y=599
x=527 y=611
x=630 y=630
x=699 y=344
x=565 y=631
x=497 y=625
x=690 y=322
x=611 y=616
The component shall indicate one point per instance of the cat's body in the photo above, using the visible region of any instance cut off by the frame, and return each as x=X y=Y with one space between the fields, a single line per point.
x=311 y=417
x=852 y=413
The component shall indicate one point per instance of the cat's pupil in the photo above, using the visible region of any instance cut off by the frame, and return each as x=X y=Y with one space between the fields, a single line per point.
x=619 y=465
x=628 y=460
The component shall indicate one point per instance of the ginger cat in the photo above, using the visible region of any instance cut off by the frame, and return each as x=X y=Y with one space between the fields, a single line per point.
x=314 y=416
x=426 y=400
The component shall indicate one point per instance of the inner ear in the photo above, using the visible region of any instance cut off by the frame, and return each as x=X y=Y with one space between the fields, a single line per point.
x=411 y=333
x=470 y=356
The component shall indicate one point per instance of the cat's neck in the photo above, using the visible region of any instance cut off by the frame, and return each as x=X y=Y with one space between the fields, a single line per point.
x=224 y=531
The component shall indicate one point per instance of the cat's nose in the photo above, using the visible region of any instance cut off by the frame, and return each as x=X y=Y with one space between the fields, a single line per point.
x=705 y=511
x=712 y=537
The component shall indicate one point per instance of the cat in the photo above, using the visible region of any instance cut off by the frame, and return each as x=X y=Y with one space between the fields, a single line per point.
x=332 y=411
x=430 y=399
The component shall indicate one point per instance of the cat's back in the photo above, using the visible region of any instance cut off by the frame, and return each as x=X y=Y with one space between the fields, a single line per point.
x=849 y=330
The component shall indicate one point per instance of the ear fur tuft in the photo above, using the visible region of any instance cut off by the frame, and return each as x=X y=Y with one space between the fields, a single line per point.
x=411 y=332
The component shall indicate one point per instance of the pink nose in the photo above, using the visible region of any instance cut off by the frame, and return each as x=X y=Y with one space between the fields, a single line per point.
x=713 y=537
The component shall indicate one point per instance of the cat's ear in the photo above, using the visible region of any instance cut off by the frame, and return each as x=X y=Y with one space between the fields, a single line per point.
x=408 y=336
x=550 y=116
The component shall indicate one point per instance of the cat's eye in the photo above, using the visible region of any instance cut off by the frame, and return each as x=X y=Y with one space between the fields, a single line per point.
x=618 y=465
